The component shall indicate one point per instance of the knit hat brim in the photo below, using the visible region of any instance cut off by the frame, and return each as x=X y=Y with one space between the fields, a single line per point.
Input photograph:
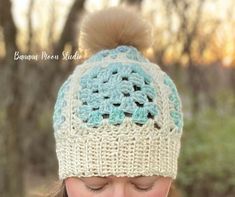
x=121 y=155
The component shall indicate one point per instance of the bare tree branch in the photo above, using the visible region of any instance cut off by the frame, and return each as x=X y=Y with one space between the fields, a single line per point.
x=69 y=32
x=30 y=27
x=12 y=168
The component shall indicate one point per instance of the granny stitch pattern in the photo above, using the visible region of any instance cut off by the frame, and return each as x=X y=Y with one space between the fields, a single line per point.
x=58 y=117
x=174 y=98
x=114 y=92
x=129 y=53
x=118 y=114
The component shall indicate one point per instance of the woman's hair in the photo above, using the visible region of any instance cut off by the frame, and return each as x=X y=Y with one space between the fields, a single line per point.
x=59 y=190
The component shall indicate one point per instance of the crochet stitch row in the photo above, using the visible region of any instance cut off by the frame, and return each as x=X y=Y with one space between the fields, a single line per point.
x=116 y=91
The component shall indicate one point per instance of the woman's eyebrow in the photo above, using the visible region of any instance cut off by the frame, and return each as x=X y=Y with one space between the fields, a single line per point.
x=97 y=177
x=101 y=177
x=143 y=178
x=132 y=177
x=136 y=177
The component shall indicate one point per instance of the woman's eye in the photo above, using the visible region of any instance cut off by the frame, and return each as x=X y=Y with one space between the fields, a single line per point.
x=95 y=189
x=141 y=188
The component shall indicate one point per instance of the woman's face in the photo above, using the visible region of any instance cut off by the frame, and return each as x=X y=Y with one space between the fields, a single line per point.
x=141 y=186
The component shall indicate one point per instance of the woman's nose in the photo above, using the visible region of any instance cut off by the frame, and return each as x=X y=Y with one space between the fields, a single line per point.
x=120 y=191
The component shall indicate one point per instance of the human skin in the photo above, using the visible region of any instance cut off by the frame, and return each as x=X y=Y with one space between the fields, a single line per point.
x=141 y=186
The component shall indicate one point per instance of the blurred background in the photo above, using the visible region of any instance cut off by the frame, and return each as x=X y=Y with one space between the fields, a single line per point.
x=194 y=42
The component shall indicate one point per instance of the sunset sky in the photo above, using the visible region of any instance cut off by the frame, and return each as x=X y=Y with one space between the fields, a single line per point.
x=216 y=9
x=42 y=8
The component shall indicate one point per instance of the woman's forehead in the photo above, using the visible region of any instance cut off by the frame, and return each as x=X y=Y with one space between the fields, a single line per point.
x=120 y=178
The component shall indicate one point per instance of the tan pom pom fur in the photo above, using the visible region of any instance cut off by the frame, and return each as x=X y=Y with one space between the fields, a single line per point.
x=108 y=28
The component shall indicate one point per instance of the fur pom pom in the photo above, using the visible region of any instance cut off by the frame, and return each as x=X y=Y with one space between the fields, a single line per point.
x=108 y=28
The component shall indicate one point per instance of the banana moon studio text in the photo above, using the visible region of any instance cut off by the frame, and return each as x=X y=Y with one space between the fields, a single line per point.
x=46 y=56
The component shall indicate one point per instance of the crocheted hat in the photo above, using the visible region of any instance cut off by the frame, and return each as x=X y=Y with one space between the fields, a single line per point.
x=117 y=113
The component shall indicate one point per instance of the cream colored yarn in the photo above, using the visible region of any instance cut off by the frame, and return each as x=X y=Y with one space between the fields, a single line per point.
x=126 y=149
